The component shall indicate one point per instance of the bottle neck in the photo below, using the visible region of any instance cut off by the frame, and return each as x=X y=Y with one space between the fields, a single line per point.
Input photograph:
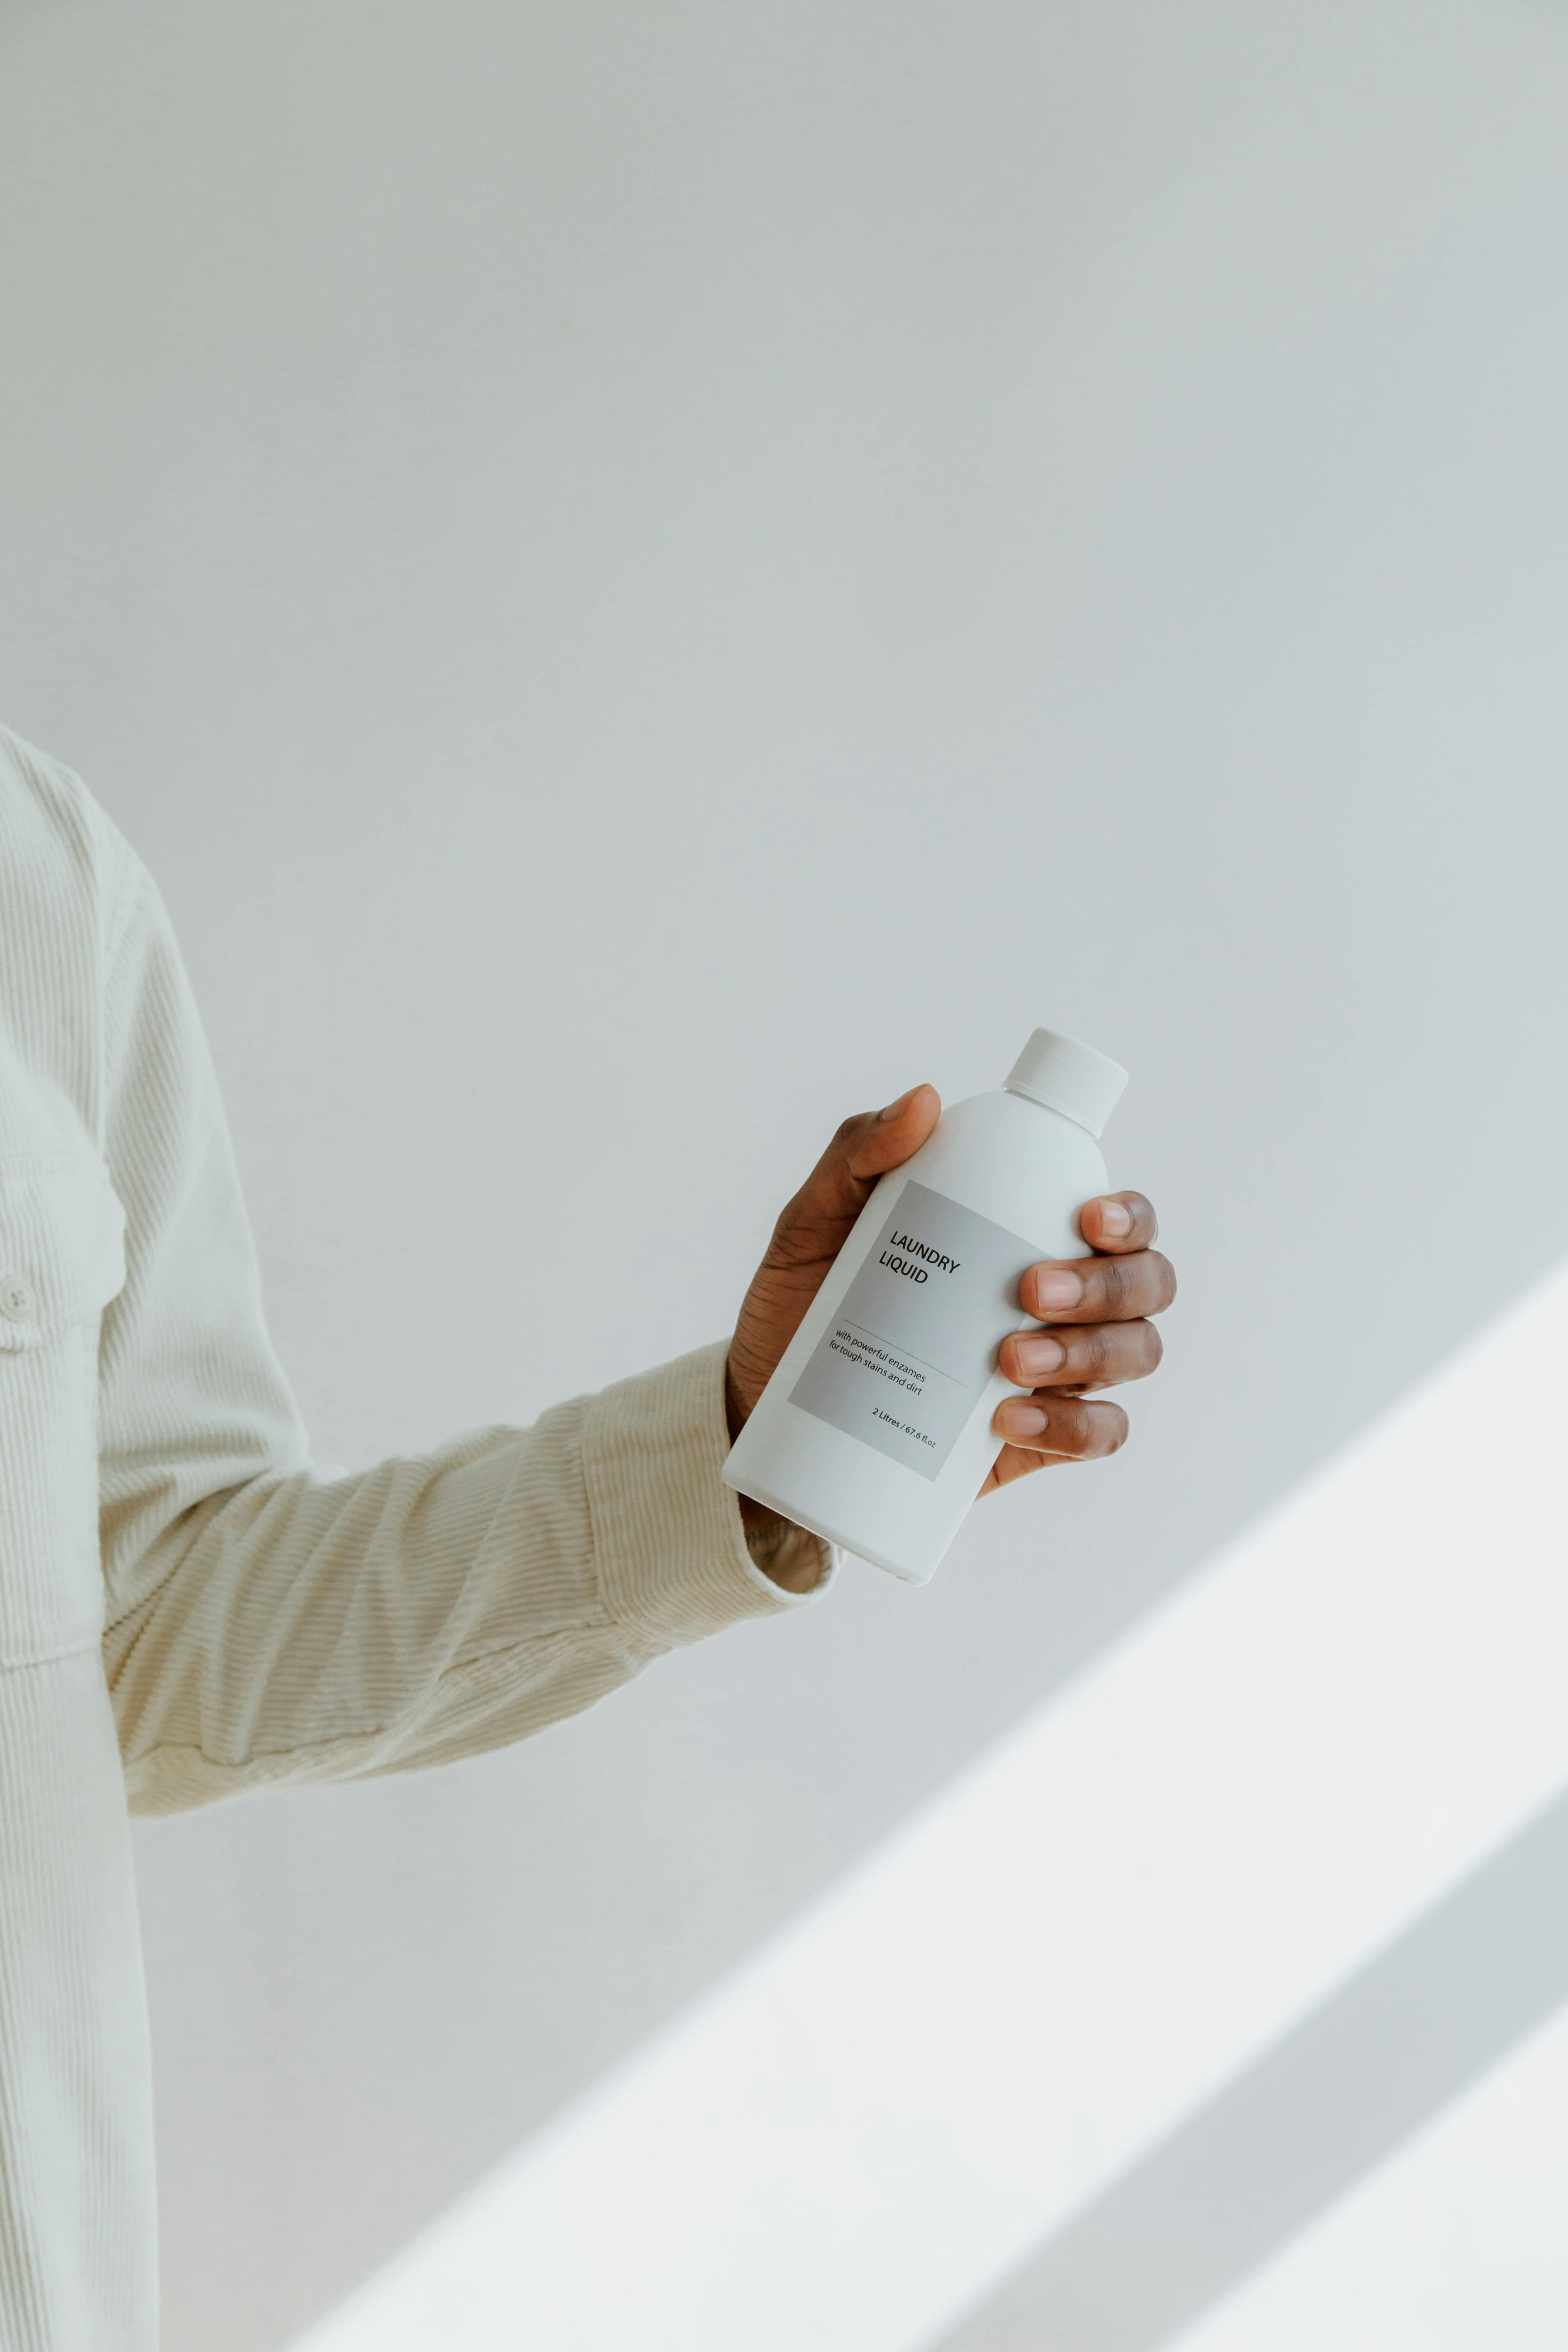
x=1038 y=1102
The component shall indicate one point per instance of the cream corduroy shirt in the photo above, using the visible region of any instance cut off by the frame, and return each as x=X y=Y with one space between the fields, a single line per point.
x=189 y=1606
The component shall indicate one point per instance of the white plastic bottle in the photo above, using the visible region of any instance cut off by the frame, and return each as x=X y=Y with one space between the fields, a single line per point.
x=875 y=1430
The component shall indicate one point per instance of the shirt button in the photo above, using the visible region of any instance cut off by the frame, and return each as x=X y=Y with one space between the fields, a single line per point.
x=17 y=1299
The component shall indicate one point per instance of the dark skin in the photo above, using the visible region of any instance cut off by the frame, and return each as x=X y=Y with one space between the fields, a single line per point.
x=1092 y=1328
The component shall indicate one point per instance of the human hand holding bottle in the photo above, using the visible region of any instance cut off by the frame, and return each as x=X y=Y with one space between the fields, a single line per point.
x=1092 y=1329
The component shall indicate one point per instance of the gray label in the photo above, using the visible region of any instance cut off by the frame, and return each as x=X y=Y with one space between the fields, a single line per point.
x=903 y=1362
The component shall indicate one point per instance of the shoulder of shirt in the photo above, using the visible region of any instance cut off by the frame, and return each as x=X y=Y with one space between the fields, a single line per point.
x=58 y=845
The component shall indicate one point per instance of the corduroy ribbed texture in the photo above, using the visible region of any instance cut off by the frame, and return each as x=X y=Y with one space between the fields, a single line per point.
x=189 y=1606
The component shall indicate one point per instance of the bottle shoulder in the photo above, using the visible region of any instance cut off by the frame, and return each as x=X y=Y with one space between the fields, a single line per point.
x=1016 y=1161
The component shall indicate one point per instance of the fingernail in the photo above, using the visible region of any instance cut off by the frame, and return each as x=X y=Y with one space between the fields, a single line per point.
x=1020 y=1420
x=895 y=1108
x=1059 y=1286
x=1115 y=1219
x=1036 y=1356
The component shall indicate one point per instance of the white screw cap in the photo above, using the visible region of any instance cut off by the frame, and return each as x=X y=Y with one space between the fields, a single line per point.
x=1070 y=1077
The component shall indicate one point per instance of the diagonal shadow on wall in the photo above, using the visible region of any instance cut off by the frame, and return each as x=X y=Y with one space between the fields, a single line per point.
x=1216 y=2198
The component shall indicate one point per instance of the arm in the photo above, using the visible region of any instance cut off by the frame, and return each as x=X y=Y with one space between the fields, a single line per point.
x=268 y=1620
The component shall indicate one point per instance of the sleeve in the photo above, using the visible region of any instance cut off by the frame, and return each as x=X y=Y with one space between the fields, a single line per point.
x=268 y=1620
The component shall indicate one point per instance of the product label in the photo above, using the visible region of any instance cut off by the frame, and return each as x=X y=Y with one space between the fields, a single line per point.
x=904 y=1361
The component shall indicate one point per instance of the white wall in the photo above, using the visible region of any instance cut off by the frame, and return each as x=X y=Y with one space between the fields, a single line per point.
x=771 y=549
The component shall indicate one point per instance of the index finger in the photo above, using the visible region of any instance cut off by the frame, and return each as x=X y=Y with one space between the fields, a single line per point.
x=1119 y=1222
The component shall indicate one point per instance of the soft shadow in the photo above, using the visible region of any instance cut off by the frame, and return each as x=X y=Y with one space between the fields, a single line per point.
x=1212 y=2202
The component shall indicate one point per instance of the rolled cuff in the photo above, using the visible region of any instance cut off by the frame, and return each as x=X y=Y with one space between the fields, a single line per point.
x=671 y=1551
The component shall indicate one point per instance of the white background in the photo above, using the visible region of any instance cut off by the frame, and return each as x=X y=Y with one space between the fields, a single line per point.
x=646 y=577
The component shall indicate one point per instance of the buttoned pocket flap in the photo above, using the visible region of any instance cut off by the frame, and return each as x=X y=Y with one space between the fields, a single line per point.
x=62 y=1248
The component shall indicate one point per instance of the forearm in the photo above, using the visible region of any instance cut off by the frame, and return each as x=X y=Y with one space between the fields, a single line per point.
x=295 y=1629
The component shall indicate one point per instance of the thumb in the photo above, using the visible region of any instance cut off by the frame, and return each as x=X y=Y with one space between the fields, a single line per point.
x=815 y=1222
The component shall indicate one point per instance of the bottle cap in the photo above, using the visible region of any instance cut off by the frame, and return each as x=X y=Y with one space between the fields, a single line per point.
x=1070 y=1077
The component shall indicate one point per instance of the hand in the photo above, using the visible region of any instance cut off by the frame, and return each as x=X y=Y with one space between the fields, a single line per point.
x=1096 y=1309
x=1109 y=1337
x=808 y=1236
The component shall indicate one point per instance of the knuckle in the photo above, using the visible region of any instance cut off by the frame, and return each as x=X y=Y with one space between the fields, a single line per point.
x=1114 y=1282
x=788 y=1218
x=793 y=1243
x=1087 y=1433
x=1077 y=1436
